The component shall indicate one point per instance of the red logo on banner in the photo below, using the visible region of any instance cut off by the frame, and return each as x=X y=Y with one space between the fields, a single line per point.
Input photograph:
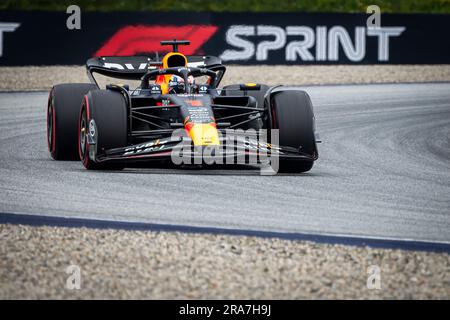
x=132 y=40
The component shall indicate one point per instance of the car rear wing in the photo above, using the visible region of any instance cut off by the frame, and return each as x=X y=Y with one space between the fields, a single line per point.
x=135 y=67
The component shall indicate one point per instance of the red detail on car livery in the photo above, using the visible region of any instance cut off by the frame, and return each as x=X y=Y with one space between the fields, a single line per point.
x=188 y=126
x=195 y=103
x=51 y=142
x=132 y=40
x=53 y=128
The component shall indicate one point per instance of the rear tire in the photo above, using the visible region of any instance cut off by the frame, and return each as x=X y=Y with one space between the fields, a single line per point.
x=108 y=109
x=63 y=107
x=292 y=114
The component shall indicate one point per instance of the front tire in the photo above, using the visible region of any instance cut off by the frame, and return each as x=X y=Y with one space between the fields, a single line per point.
x=292 y=113
x=108 y=110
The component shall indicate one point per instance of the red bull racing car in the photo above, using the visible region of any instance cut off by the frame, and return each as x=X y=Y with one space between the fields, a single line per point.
x=178 y=113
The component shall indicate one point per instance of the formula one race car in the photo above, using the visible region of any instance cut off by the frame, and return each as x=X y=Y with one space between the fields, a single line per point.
x=113 y=127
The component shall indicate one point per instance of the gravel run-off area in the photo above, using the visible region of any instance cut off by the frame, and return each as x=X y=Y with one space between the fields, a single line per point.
x=43 y=78
x=161 y=265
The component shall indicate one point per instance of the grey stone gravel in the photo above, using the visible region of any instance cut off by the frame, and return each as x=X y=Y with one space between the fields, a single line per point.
x=43 y=78
x=160 y=265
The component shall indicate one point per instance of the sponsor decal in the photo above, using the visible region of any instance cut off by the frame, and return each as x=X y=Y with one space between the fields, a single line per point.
x=125 y=66
x=198 y=113
x=190 y=95
x=304 y=43
x=165 y=102
x=155 y=89
x=184 y=69
x=251 y=144
x=250 y=42
x=196 y=64
x=203 y=89
x=148 y=147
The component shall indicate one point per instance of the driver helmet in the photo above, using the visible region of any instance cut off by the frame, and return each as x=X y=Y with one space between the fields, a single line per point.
x=178 y=79
x=176 y=83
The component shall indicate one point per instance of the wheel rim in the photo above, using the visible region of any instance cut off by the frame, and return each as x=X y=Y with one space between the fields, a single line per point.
x=83 y=133
x=50 y=125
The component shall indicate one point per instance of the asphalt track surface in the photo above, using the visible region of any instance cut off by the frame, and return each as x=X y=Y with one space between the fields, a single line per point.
x=383 y=172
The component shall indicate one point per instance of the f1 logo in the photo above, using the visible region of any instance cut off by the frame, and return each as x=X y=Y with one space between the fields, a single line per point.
x=6 y=27
x=137 y=39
